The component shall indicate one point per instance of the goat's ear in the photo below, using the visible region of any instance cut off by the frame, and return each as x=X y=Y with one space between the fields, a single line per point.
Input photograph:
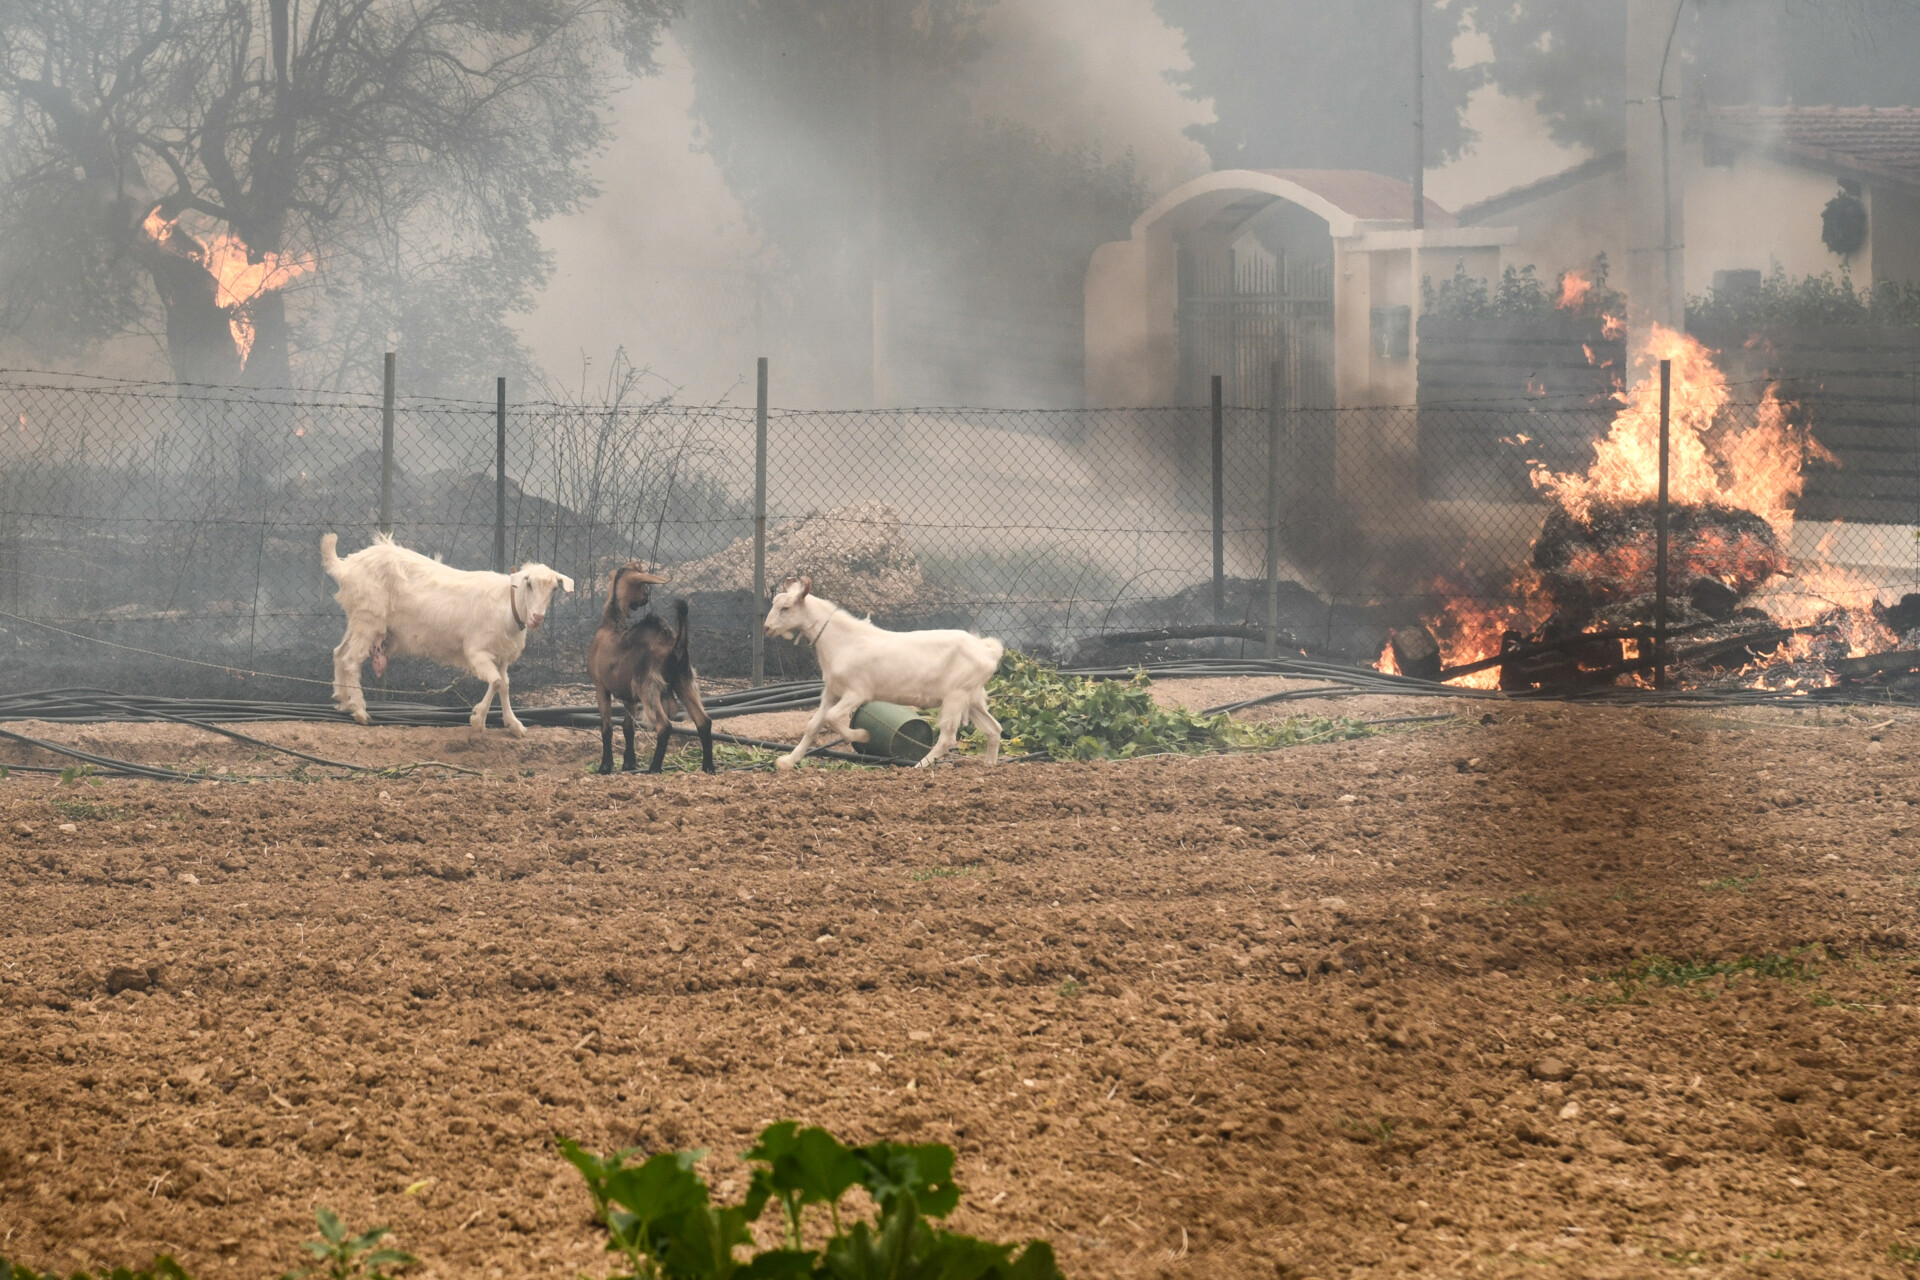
x=566 y=583
x=806 y=585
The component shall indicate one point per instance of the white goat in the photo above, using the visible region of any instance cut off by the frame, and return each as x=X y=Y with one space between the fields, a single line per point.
x=860 y=662
x=399 y=601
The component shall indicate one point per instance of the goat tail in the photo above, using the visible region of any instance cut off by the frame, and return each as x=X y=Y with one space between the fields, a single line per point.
x=995 y=649
x=329 y=554
x=679 y=658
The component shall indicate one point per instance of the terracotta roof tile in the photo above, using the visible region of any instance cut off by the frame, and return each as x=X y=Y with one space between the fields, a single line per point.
x=1365 y=195
x=1885 y=138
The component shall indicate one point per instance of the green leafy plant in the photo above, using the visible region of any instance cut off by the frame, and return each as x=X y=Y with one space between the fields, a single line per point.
x=660 y=1217
x=161 y=1268
x=342 y=1255
x=1074 y=718
x=74 y=774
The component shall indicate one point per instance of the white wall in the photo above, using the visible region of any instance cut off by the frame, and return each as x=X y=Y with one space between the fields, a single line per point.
x=1753 y=213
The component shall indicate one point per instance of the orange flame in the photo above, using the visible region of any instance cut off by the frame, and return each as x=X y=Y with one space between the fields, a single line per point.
x=1824 y=592
x=1574 y=288
x=1758 y=469
x=237 y=280
x=1711 y=461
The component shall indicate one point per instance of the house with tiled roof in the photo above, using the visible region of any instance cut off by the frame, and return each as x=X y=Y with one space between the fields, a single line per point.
x=1810 y=189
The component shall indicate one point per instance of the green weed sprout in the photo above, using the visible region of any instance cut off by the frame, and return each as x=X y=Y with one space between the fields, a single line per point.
x=348 y=1257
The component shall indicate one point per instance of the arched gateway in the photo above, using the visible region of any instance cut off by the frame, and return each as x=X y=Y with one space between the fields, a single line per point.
x=1227 y=274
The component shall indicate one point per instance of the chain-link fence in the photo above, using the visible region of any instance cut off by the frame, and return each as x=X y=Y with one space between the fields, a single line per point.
x=155 y=537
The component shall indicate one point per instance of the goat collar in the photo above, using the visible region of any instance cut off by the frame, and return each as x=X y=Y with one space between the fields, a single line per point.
x=814 y=639
x=514 y=604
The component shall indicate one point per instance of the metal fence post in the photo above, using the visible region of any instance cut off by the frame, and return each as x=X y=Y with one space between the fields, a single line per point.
x=1275 y=393
x=1660 y=537
x=499 y=475
x=1219 y=507
x=386 y=449
x=760 y=525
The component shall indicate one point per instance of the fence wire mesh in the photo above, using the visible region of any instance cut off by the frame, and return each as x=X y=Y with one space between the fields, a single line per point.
x=168 y=537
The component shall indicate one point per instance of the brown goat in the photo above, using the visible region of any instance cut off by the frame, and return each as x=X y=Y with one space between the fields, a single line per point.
x=633 y=659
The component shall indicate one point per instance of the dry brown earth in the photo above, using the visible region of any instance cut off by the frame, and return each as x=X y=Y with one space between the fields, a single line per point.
x=1326 y=1012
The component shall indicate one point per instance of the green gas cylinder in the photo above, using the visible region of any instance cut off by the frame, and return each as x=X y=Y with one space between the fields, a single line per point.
x=896 y=733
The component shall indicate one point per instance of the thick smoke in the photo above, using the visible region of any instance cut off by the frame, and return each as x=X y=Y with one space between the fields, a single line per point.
x=736 y=217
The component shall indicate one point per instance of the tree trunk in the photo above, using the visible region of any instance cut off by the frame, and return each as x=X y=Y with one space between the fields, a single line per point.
x=200 y=343
x=268 y=363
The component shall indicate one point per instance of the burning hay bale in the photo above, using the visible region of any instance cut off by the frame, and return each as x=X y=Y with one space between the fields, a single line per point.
x=1602 y=568
x=1582 y=612
x=858 y=556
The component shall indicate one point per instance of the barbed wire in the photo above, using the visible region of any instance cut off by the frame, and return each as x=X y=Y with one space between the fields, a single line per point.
x=318 y=398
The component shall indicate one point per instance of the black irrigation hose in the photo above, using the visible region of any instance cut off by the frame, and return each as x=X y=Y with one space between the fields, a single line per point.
x=101 y=762
x=87 y=705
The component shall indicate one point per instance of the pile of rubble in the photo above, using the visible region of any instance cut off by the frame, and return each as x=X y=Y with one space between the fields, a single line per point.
x=858 y=556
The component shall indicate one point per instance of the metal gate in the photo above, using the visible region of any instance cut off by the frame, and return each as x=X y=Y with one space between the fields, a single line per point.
x=1241 y=313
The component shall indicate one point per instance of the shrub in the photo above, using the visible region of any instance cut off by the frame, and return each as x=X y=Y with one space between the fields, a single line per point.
x=660 y=1217
x=1519 y=295
x=1810 y=300
x=1074 y=718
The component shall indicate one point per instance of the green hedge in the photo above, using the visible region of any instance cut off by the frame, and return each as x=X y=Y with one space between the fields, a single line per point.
x=1781 y=302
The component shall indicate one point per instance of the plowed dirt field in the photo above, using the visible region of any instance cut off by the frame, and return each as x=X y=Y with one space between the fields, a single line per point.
x=1335 y=1011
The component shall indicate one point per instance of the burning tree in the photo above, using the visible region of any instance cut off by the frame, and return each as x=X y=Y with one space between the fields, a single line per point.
x=205 y=155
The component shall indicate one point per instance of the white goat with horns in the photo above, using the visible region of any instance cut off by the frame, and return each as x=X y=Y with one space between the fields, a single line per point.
x=399 y=601
x=861 y=663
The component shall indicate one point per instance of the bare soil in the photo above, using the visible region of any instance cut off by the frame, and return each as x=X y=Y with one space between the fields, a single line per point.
x=1334 y=1011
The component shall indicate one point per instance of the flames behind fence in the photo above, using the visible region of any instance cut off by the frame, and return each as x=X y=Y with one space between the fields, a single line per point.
x=155 y=536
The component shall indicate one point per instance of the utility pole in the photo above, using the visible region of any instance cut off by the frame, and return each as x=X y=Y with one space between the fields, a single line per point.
x=1419 y=121
x=1655 y=223
x=879 y=265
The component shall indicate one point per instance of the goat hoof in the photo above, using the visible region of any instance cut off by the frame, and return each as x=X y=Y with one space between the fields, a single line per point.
x=784 y=763
x=361 y=717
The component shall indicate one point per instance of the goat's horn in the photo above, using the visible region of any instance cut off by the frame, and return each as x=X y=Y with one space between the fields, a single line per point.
x=644 y=576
